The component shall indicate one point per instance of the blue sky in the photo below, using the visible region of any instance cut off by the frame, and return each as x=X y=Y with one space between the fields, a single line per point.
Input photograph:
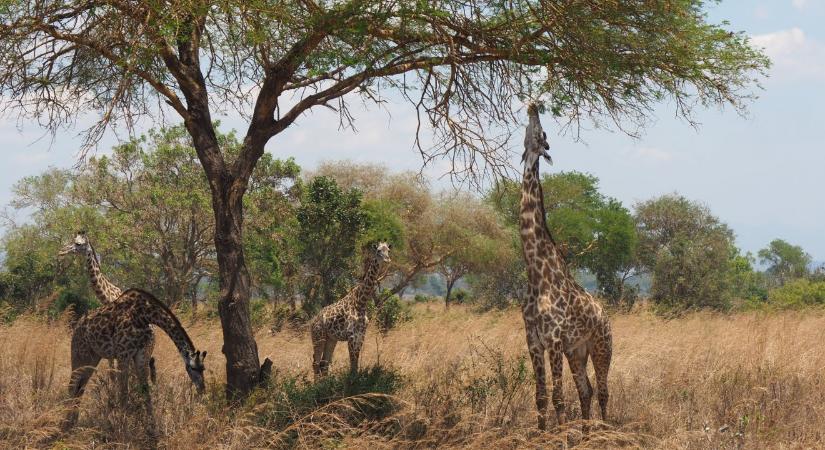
x=762 y=174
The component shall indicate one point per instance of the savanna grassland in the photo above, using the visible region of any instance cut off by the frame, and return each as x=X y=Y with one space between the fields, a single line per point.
x=451 y=380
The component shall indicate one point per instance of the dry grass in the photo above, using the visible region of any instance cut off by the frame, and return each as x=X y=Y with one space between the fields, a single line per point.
x=700 y=381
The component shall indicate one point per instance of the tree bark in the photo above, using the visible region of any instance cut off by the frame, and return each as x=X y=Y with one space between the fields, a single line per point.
x=243 y=370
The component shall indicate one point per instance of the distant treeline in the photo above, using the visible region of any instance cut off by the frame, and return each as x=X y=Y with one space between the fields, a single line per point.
x=146 y=209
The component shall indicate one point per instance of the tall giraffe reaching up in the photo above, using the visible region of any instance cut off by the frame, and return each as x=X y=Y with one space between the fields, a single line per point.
x=560 y=317
x=120 y=330
x=346 y=319
x=105 y=291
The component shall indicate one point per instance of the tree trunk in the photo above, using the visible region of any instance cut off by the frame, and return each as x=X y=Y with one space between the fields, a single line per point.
x=450 y=284
x=239 y=347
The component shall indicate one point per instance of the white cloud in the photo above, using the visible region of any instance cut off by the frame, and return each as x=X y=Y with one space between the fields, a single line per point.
x=795 y=55
x=801 y=4
x=653 y=153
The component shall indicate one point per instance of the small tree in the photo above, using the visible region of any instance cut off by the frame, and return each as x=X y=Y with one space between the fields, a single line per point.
x=331 y=221
x=785 y=261
x=687 y=250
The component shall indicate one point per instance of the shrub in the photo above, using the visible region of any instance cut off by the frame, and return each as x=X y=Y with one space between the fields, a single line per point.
x=421 y=298
x=798 y=293
x=7 y=313
x=283 y=314
x=80 y=304
x=291 y=398
x=461 y=296
x=392 y=312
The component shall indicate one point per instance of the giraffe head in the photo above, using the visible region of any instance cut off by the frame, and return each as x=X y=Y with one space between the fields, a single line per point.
x=194 y=368
x=80 y=245
x=382 y=252
x=535 y=139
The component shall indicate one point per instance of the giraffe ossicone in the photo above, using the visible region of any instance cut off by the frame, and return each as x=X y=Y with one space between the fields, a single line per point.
x=561 y=318
x=346 y=319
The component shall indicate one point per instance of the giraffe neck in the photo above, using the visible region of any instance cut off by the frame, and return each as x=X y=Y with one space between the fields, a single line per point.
x=538 y=245
x=105 y=290
x=160 y=315
x=369 y=280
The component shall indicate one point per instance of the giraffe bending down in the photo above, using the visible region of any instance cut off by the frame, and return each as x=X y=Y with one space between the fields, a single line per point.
x=105 y=291
x=346 y=319
x=560 y=317
x=120 y=330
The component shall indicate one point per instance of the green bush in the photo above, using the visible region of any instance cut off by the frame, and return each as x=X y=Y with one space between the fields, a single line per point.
x=460 y=296
x=7 y=313
x=283 y=314
x=393 y=312
x=291 y=398
x=421 y=298
x=79 y=303
x=797 y=293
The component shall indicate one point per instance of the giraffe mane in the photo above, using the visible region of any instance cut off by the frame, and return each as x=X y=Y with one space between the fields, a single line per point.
x=543 y=211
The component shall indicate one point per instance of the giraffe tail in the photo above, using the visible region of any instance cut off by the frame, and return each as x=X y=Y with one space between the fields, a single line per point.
x=153 y=374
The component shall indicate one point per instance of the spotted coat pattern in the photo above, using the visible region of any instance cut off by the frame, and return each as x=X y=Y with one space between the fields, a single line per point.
x=560 y=317
x=121 y=330
x=346 y=319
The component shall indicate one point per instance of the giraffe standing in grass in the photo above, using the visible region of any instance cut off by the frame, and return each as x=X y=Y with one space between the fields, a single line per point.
x=105 y=291
x=560 y=317
x=120 y=330
x=346 y=319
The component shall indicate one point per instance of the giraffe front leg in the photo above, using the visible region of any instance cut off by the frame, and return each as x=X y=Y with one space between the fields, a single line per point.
x=326 y=361
x=557 y=366
x=354 y=344
x=82 y=370
x=537 y=358
x=317 y=356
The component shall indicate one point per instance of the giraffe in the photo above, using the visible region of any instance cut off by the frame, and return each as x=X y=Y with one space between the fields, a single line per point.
x=105 y=291
x=560 y=317
x=120 y=330
x=346 y=319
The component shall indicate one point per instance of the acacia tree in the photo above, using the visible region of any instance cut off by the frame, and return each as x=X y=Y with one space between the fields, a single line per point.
x=273 y=61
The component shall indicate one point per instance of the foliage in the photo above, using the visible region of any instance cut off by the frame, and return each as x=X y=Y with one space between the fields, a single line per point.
x=747 y=283
x=687 y=250
x=290 y=398
x=798 y=293
x=475 y=234
x=147 y=210
x=330 y=221
x=80 y=304
x=390 y=313
x=785 y=261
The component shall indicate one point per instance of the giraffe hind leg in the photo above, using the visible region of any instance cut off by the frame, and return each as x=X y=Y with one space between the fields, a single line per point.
x=601 y=355
x=557 y=367
x=577 y=359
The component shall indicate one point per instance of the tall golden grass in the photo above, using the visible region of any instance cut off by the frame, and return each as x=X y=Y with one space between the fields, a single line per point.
x=750 y=380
